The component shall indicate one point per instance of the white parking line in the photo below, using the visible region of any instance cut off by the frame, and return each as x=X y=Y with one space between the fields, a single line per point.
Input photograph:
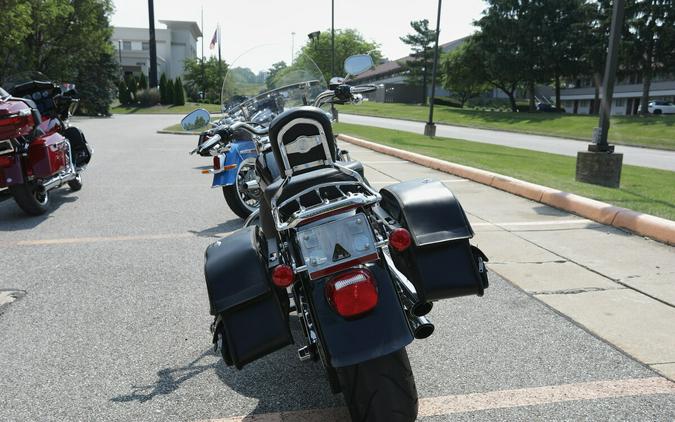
x=463 y=403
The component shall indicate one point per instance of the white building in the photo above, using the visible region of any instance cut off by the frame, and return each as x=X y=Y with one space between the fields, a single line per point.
x=626 y=99
x=174 y=44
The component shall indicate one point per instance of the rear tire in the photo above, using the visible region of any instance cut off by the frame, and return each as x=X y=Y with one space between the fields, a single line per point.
x=234 y=201
x=76 y=183
x=30 y=198
x=658 y=111
x=381 y=389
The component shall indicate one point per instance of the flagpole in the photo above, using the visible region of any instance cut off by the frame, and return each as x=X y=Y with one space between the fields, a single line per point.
x=203 y=71
x=220 y=66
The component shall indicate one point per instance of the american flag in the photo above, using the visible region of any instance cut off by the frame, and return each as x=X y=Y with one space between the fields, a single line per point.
x=214 y=40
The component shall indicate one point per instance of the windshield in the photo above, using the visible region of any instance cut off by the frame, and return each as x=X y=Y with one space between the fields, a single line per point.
x=260 y=84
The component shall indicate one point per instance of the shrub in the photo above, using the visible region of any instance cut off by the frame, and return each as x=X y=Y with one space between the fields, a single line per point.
x=178 y=95
x=168 y=98
x=142 y=82
x=447 y=101
x=133 y=87
x=123 y=94
x=162 y=88
x=148 y=97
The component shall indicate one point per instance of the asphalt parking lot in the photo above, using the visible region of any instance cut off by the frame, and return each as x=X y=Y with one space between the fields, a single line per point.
x=112 y=322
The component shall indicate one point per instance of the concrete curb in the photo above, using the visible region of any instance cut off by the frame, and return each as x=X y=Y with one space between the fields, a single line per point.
x=642 y=224
x=175 y=132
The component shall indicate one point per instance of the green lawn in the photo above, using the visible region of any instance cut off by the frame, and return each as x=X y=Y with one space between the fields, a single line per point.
x=642 y=189
x=649 y=131
x=184 y=109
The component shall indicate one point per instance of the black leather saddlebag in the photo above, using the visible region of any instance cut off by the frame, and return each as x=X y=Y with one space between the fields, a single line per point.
x=440 y=262
x=250 y=320
x=80 y=148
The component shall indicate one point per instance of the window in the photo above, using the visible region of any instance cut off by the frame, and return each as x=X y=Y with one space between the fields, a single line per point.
x=620 y=102
x=126 y=45
x=146 y=45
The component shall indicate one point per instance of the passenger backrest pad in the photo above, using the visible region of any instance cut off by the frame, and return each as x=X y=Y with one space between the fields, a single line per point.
x=302 y=140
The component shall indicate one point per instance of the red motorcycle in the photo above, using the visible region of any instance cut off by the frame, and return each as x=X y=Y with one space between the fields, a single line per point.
x=39 y=150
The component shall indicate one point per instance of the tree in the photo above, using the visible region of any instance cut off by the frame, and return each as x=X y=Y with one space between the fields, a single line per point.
x=563 y=25
x=162 y=89
x=461 y=72
x=142 y=82
x=179 y=95
x=347 y=43
x=421 y=62
x=170 y=92
x=211 y=82
x=64 y=39
x=16 y=26
x=272 y=73
x=650 y=40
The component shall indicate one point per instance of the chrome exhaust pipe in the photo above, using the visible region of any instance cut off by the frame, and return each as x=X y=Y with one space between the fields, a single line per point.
x=57 y=181
x=420 y=326
x=414 y=305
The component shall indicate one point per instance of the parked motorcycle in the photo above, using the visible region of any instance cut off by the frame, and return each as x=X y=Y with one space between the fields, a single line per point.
x=362 y=267
x=39 y=150
x=234 y=159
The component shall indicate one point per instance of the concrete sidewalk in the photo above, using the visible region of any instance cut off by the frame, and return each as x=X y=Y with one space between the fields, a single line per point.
x=644 y=157
x=619 y=286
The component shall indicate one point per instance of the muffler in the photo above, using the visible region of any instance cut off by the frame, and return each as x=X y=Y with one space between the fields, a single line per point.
x=420 y=326
x=58 y=180
x=410 y=300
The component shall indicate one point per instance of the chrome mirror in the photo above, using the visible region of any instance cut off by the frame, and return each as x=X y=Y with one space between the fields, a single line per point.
x=198 y=119
x=357 y=64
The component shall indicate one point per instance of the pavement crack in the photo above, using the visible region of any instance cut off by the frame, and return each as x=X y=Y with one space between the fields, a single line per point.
x=574 y=291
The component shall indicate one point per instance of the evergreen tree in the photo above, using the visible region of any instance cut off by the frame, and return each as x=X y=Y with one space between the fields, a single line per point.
x=142 y=82
x=422 y=44
x=179 y=94
x=162 y=89
x=170 y=90
x=123 y=95
x=132 y=84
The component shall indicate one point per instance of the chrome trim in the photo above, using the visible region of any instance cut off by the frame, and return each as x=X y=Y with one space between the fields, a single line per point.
x=6 y=147
x=287 y=127
x=251 y=217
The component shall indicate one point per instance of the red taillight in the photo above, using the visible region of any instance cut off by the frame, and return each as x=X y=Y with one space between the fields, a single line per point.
x=352 y=293
x=400 y=239
x=216 y=162
x=282 y=276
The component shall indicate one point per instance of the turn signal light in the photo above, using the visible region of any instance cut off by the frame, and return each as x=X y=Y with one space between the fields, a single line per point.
x=400 y=239
x=352 y=293
x=216 y=163
x=282 y=276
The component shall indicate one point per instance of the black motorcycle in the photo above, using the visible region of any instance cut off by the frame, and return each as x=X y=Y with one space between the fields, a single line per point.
x=359 y=268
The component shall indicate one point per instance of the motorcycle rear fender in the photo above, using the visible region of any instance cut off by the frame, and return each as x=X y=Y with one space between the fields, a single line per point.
x=239 y=151
x=12 y=174
x=382 y=331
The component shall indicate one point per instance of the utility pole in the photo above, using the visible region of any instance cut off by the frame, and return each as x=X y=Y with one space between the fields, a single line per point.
x=292 y=47
x=600 y=165
x=333 y=110
x=153 y=46
x=430 y=127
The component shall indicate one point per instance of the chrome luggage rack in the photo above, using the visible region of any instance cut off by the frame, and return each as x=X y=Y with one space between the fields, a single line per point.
x=319 y=200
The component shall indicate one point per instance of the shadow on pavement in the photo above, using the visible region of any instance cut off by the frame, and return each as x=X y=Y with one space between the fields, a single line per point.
x=12 y=218
x=218 y=231
x=278 y=382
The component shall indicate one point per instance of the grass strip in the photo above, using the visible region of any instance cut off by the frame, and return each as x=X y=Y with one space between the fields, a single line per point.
x=642 y=189
x=644 y=131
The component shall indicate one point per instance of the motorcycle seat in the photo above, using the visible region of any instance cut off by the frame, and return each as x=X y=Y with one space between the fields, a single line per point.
x=312 y=178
